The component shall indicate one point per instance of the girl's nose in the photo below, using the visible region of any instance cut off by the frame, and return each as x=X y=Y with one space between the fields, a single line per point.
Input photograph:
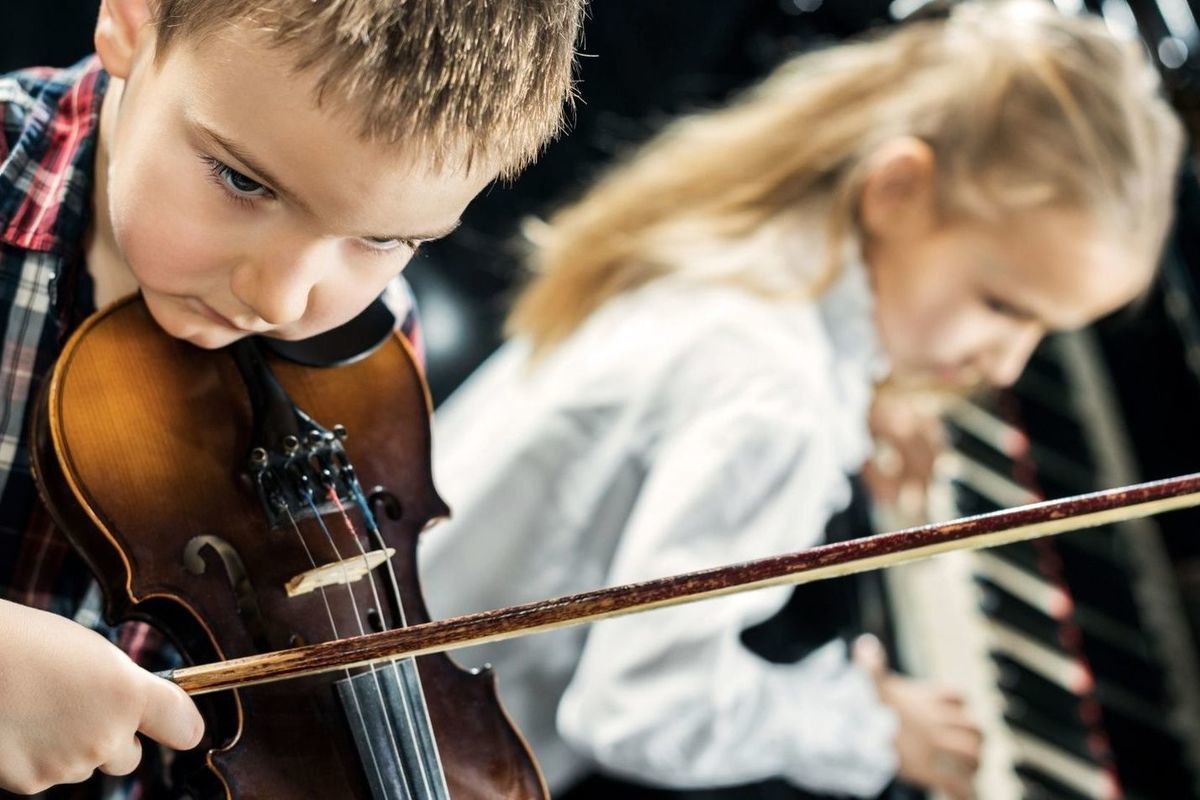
x=1009 y=360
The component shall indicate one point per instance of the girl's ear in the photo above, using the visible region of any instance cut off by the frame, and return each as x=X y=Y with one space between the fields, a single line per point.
x=118 y=27
x=898 y=197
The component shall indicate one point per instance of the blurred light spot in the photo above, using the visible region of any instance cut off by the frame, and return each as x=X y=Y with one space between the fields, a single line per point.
x=800 y=6
x=442 y=324
x=1172 y=52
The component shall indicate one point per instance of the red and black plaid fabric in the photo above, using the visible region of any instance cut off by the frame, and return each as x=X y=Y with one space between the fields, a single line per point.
x=49 y=123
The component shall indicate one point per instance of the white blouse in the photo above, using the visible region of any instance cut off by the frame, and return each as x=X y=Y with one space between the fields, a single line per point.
x=681 y=427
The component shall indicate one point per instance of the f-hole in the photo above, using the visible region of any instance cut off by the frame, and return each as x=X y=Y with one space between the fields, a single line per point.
x=243 y=592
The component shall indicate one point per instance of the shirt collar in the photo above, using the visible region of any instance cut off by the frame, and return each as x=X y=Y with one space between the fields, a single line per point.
x=46 y=179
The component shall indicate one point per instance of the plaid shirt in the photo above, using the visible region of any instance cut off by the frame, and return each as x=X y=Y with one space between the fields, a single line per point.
x=50 y=123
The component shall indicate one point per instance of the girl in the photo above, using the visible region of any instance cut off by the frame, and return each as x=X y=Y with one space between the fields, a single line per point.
x=689 y=376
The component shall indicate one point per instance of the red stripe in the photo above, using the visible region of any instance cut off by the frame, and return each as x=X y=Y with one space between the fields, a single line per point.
x=32 y=225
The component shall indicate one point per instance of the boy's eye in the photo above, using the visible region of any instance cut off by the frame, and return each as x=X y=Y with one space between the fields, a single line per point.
x=241 y=183
x=235 y=182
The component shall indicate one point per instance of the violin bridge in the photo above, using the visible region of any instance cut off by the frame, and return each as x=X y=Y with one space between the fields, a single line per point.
x=348 y=570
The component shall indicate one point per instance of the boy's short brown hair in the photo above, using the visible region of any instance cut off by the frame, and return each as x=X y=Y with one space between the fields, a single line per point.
x=457 y=78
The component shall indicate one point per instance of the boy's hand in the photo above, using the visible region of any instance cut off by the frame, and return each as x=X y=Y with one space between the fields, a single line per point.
x=937 y=744
x=72 y=703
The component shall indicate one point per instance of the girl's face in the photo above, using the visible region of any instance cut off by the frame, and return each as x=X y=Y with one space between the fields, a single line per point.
x=967 y=303
x=961 y=303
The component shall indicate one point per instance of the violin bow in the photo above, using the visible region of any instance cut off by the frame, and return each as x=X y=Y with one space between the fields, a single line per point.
x=826 y=561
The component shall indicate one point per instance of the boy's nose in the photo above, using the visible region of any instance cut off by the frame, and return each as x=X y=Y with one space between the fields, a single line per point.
x=278 y=290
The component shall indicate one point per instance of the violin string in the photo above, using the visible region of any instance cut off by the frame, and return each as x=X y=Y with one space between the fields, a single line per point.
x=377 y=536
x=413 y=707
x=353 y=685
x=362 y=720
x=406 y=702
x=333 y=627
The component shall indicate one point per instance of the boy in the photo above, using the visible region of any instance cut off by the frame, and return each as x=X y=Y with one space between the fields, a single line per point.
x=261 y=167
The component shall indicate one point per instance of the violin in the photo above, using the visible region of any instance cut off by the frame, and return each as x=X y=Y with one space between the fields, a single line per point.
x=209 y=500
x=245 y=504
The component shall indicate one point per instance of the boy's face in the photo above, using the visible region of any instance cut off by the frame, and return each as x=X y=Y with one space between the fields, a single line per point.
x=239 y=207
x=966 y=303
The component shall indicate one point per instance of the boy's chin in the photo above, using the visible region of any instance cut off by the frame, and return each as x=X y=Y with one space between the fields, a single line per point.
x=206 y=336
x=178 y=321
x=209 y=340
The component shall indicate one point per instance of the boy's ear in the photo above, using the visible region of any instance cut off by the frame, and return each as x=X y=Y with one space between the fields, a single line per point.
x=898 y=195
x=118 y=27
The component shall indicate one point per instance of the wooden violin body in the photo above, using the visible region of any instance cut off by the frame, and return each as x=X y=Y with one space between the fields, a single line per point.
x=140 y=446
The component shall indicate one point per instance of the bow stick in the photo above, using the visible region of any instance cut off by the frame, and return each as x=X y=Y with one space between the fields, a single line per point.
x=818 y=563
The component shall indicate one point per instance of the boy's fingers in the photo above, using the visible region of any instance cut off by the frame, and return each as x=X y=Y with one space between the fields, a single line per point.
x=126 y=761
x=170 y=716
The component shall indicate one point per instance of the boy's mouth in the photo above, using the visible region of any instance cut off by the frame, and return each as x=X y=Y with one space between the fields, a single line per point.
x=214 y=316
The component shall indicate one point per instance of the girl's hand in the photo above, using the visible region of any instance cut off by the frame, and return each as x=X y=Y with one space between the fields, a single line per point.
x=937 y=744
x=909 y=437
x=72 y=703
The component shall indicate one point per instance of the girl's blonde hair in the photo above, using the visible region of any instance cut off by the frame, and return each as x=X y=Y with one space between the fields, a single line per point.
x=1022 y=106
